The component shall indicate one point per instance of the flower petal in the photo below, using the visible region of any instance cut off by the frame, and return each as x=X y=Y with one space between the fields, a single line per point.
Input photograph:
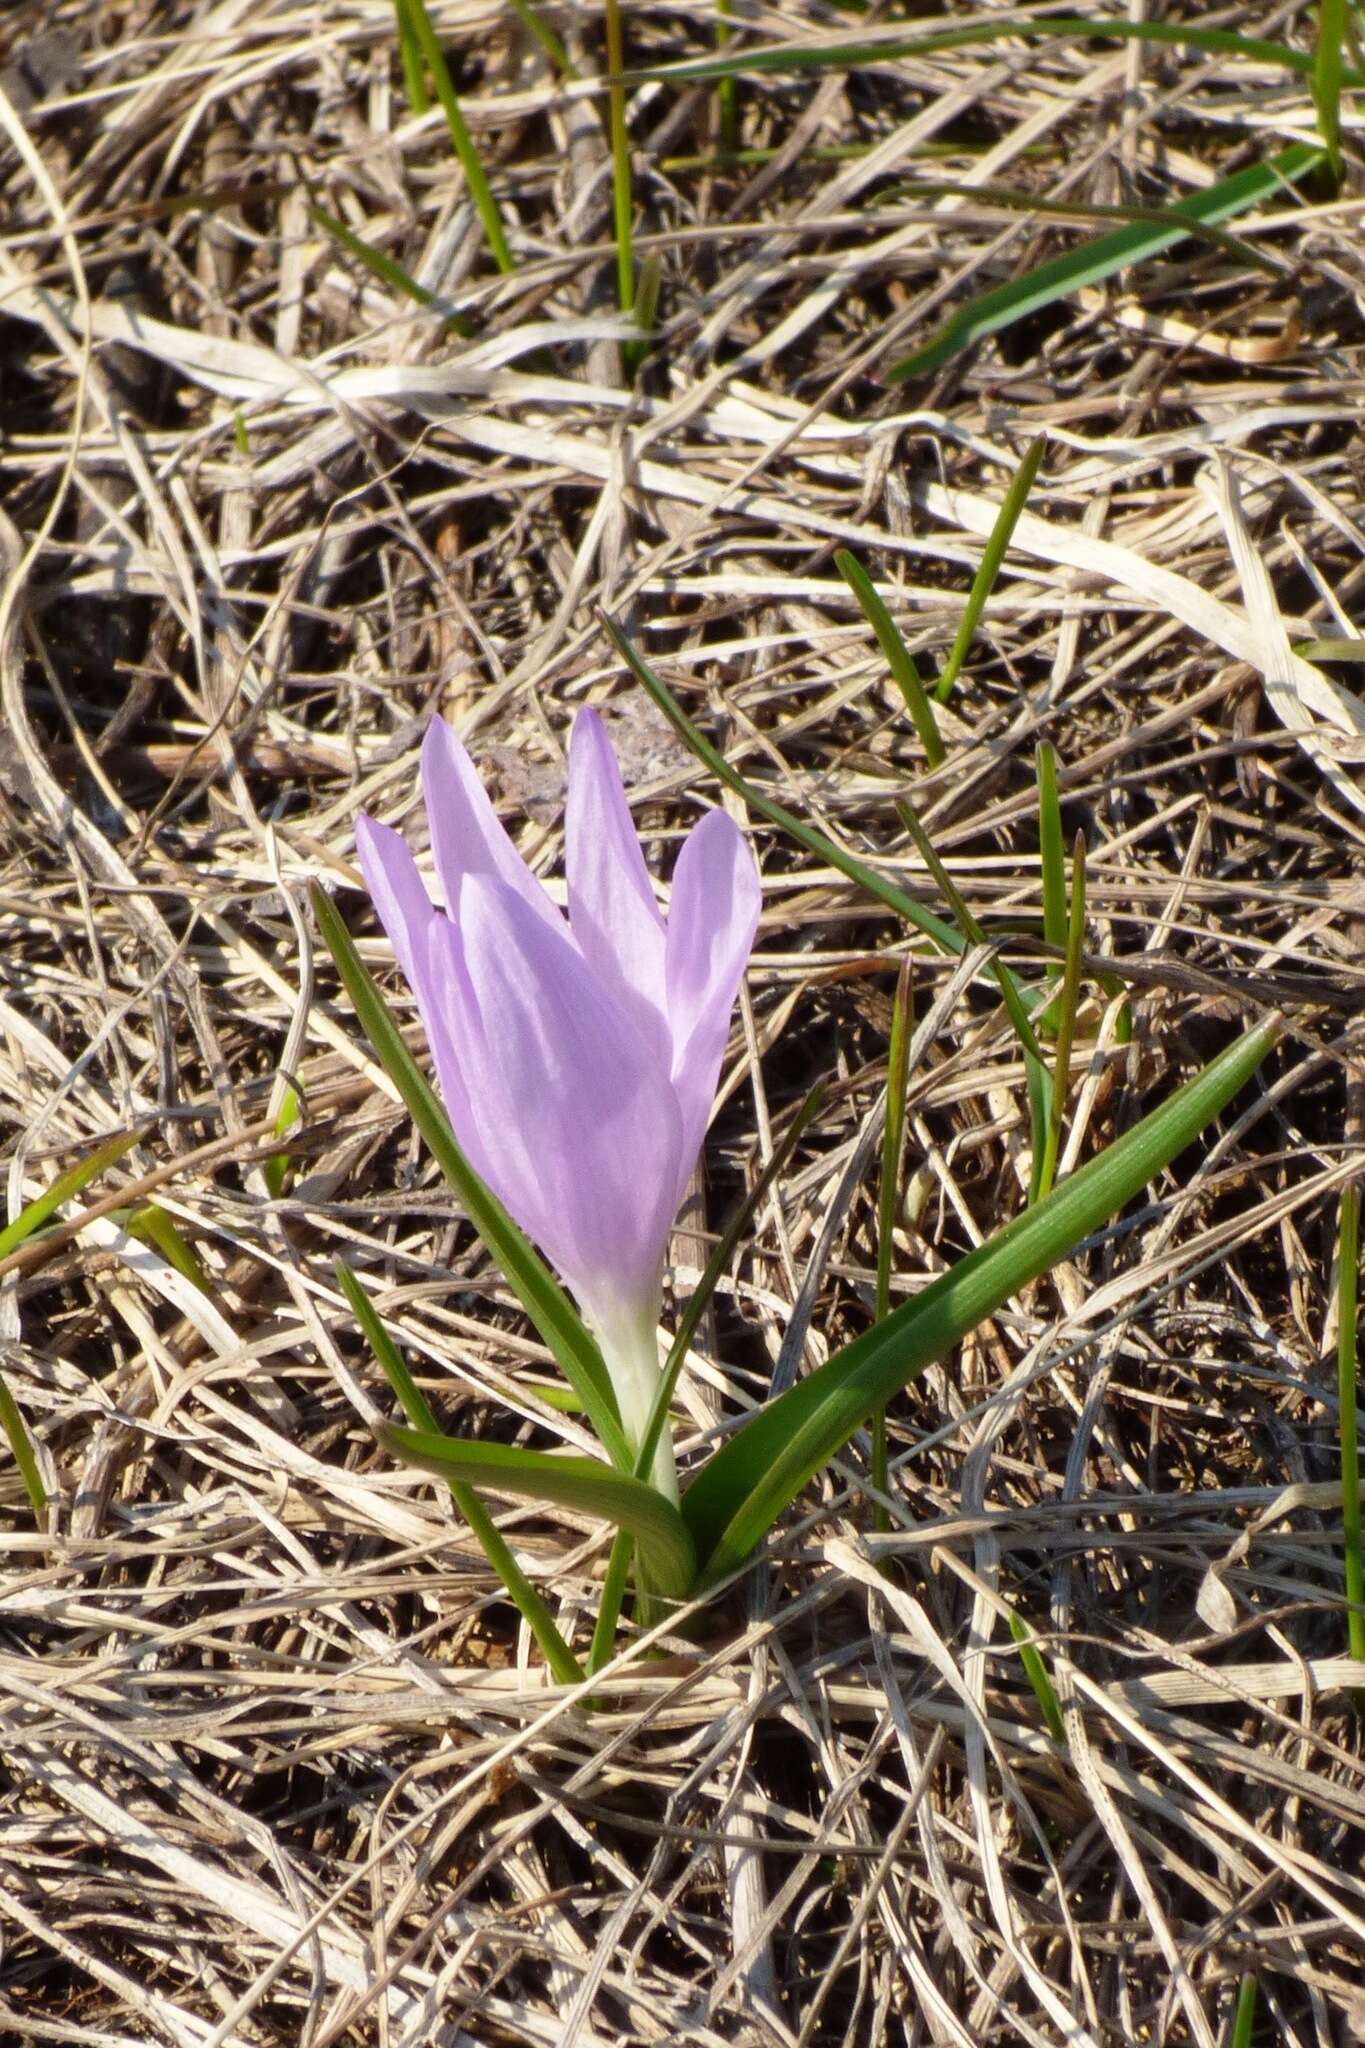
x=615 y=921
x=466 y=837
x=561 y=1097
x=408 y=916
x=711 y=924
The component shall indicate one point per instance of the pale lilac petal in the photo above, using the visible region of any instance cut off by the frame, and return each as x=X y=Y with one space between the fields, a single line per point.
x=408 y=916
x=711 y=924
x=615 y=921
x=466 y=837
x=561 y=1097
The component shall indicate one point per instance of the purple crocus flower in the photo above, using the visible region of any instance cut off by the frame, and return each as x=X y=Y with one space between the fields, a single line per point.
x=578 y=1058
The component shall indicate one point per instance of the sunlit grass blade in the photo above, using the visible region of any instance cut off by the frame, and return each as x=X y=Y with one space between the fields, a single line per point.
x=1036 y=1672
x=1102 y=257
x=156 y=1227
x=897 y=655
x=614 y=1583
x=21 y=1444
x=535 y=24
x=723 y=1252
x=622 y=198
x=1067 y=1004
x=1328 y=65
x=727 y=90
x=754 y=1477
x=1051 y=846
x=488 y=1536
x=410 y=57
x=824 y=849
x=1015 y=498
x=288 y=1118
x=384 y=268
x=888 y=1197
x=1348 y=1397
x=660 y=1534
x=35 y=1214
x=414 y=13
x=538 y=1291
x=1244 y=2018
x=852 y=54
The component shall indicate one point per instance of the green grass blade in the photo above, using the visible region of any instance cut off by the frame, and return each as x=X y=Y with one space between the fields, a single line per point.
x=410 y=57
x=1036 y=1671
x=488 y=1536
x=288 y=1119
x=535 y=1287
x=888 y=1193
x=715 y=1266
x=582 y=1484
x=1348 y=1390
x=622 y=199
x=16 y=1430
x=156 y=1227
x=480 y=191
x=1244 y=2018
x=35 y=1213
x=614 y=1583
x=1102 y=257
x=1051 y=845
x=805 y=835
x=1067 y=1005
x=897 y=655
x=384 y=268
x=750 y=1482
x=535 y=24
x=1327 y=75
x=858 y=55
x=1021 y=483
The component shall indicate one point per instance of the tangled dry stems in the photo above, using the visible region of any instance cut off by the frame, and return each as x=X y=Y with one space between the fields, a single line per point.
x=278 y=1767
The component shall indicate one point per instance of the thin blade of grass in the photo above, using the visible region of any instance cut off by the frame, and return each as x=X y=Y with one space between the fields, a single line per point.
x=535 y=24
x=888 y=1193
x=1101 y=258
x=534 y=1285
x=35 y=1213
x=21 y=1444
x=614 y=1584
x=1348 y=1396
x=156 y=1227
x=384 y=268
x=1067 y=1004
x=756 y=1475
x=993 y=555
x=1051 y=846
x=622 y=199
x=580 y=1484
x=897 y=655
x=480 y=191
x=1328 y=66
x=1244 y=2019
x=488 y=1536
x=1036 y=1672
x=410 y=58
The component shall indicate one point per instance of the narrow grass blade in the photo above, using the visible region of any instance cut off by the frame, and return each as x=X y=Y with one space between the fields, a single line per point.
x=288 y=1120
x=898 y=657
x=156 y=1227
x=622 y=202
x=535 y=1287
x=414 y=13
x=35 y=1213
x=535 y=24
x=1051 y=846
x=727 y=91
x=614 y=1583
x=410 y=57
x=893 y=1137
x=749 y=1482
x=384 y=268
x=1327 y=75
x=489 y=1537
x=1244 y=2019
x=1067 y=1004
x=850 y=55
x=805 y=835
x=1021 y=483
x=1036 y=1672
x=715 y=1266
x=16 y=1430
x=1348 y=1392
x=582 y=1484
x=1102 y=257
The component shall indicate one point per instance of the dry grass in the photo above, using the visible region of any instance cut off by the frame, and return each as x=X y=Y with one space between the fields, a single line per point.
x=277 y=1768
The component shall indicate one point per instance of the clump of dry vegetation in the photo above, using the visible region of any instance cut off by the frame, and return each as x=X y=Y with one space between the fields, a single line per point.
x=278 y=1764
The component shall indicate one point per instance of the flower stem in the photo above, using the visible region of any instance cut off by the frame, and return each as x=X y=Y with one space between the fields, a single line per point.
x=630 y=1349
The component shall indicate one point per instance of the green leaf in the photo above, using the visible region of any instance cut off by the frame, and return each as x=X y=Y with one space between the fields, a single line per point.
x=760 y=1471
x=1327 y=76
x=534 y=1285
x=898 y=657
x=35 y=1213
x=1101 y=257
x=993 y=554
x=1036 y=1671
x=659 y=1531
x=15 y=1428
x=489 y=1537
x=415 y=25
